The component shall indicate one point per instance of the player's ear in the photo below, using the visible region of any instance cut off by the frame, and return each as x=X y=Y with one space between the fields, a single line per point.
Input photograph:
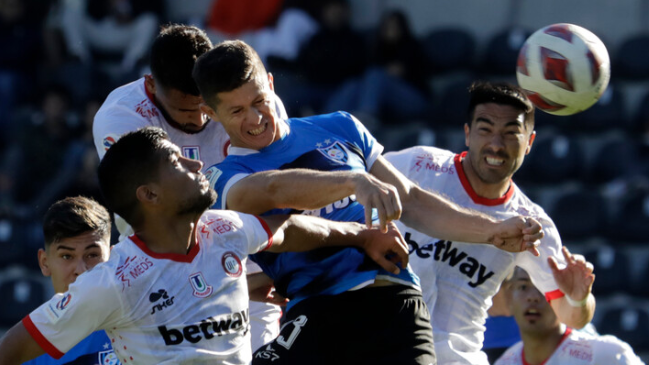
x=207 y=110
x=147 y=194
x=271 y=81
x=42 y=262
x=467 y=129
x=149 y=84
x=530 y=142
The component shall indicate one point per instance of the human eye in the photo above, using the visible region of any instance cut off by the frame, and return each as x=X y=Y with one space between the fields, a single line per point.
x=66 y=256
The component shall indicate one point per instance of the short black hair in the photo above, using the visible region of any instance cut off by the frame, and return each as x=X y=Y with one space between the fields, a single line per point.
x=131 y=162
x=173 y=54
x=73 y=216
x=483 y=92
x=226 y=67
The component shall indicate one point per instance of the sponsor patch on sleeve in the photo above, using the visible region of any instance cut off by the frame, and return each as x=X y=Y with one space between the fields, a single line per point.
x=212 y=175
x=109 y=140
x=57 y=307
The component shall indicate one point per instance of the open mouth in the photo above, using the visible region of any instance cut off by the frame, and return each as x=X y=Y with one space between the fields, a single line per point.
x=532 y=314
x=258 y=131
x=494 y=161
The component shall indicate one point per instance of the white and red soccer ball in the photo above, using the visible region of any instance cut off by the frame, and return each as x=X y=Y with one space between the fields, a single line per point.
x=564 y=68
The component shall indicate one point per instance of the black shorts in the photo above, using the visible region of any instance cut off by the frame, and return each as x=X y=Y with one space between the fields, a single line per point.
x=374 y=326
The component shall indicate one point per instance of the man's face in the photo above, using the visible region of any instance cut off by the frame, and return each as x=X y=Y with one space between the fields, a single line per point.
x=498 y=142
x=64 y=261
x=182 y=111
x=532 y=312
x=183 y=188
x=248 y=114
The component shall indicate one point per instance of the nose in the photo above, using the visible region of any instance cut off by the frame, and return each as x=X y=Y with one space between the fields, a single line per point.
x=534 y=296
x=496 y=141
x=192 y=165
x=80 y=267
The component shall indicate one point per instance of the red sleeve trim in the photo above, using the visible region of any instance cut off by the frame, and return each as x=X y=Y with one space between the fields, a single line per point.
x=555 y=294
x=40 y=339
x=268 y=232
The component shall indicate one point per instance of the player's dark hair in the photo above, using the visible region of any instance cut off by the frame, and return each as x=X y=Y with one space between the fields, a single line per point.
x=173 y=54
x=226 y=67
x=131 y=162
x=501 y=93
x=73 y=216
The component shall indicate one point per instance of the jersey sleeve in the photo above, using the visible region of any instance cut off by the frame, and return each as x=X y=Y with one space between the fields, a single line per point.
x=111 y=123
x=611 y=350
x=90 y=304
x=251 y=234
x=222 y=177
x=538 y=268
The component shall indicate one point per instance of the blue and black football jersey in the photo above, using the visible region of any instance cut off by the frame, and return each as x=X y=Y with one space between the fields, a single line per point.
x=331 y=142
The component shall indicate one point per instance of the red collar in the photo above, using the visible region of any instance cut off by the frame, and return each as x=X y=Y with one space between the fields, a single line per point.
x=187 y=258
x=469 y=189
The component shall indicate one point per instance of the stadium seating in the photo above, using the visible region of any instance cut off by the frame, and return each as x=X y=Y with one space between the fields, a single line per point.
x=627 y=322
x=612 y=270
x=22 y=291
x=450 y=49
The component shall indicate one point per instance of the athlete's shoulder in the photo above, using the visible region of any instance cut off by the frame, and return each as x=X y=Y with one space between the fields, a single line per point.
x=421 y=152
x=512 y=356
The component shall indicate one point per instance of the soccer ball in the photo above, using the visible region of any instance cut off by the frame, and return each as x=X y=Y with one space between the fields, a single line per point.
x=564 y=68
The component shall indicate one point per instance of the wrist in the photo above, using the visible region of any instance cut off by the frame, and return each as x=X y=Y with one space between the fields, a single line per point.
x=577 y=303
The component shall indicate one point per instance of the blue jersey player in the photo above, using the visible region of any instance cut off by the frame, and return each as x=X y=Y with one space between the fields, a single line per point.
x=344 y=308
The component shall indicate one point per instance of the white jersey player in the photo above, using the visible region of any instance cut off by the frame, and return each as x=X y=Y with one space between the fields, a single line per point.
x=549 y=342
x=170 y=100
x=459 y=279
x=176 y=291
x=161 y=308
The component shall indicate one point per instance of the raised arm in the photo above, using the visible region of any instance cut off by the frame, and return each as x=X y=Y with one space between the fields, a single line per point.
x=577 y=307
x=303 y=233
x=18 y=346
x=305 y=189
x=436 y=216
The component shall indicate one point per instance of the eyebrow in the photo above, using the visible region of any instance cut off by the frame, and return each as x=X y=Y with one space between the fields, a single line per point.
x=61 y=247
x=510 y=123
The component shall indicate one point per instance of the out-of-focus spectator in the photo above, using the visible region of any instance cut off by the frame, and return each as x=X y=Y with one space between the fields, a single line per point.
x=333 y=55
x=115 y=32
x=395 y=84
x=20 y=45
x=43 y=157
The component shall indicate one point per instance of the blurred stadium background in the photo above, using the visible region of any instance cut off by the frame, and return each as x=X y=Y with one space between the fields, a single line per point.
x=589 y=171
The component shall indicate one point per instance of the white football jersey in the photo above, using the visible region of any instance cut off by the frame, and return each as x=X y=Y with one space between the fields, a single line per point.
x=163 y=308
x=578 y=348
x=459 y=279
x=129 y=108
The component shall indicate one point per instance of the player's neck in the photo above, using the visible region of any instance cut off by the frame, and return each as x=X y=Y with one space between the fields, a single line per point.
x=175 y=235
x=538 y=347
x=481 y=188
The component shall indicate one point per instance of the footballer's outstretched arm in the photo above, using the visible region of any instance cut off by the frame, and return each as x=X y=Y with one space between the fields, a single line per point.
x=438 y=217
x=306 y=189
x=303 y=233
x=18 y=346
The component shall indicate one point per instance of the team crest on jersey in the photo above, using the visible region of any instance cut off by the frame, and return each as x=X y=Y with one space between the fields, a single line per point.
x=108 y=358
x=232 y=264
x=109 y=140
x=201 y=289
x=335 y=151
x=192 y=152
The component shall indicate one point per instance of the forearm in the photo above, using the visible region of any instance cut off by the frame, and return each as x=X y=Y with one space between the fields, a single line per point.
x=438 y=217
x=303 y=233
x=17 y=346
x=571 y=316
x=301 y=189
